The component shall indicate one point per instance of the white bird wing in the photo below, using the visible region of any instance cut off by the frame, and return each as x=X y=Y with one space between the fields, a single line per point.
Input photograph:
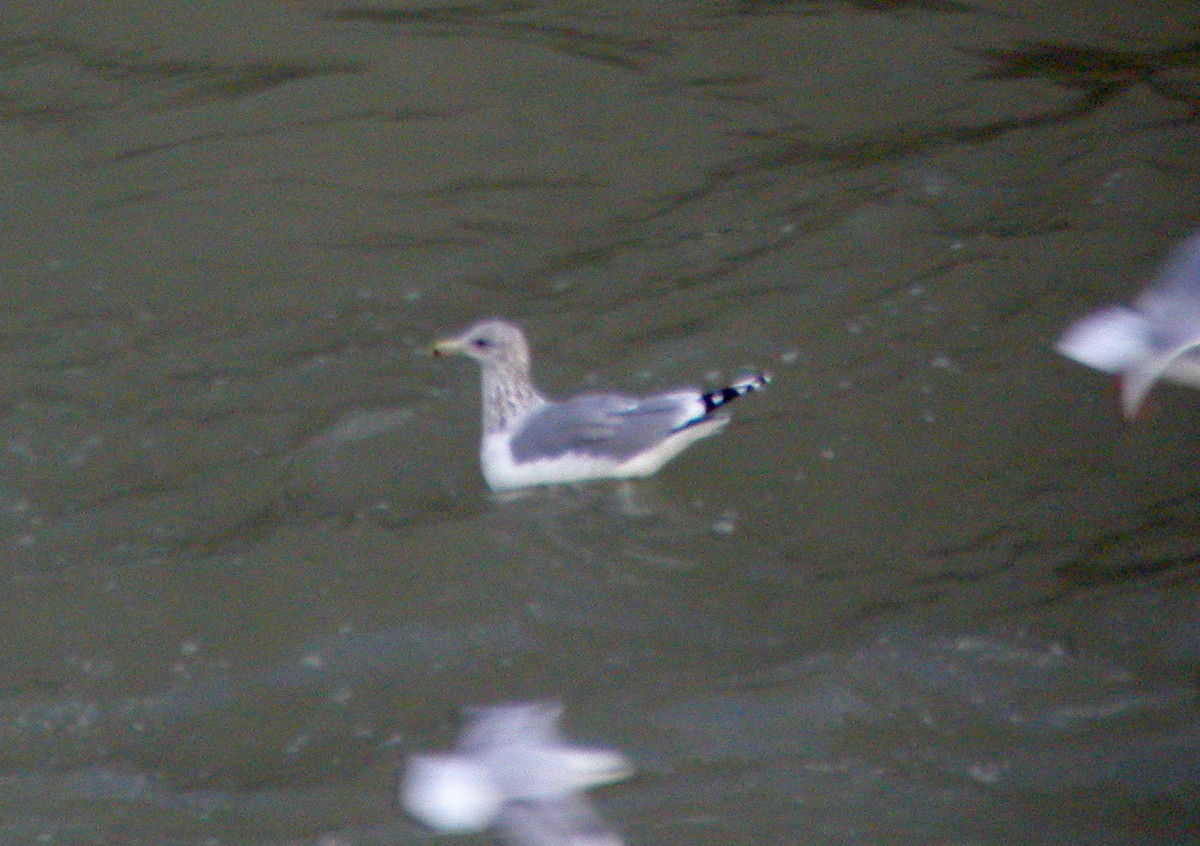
x=1172 y=300
x=1139 y=377
x=1171 y=305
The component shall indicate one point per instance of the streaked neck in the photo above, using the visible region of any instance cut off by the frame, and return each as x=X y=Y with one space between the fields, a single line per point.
x=508 y=393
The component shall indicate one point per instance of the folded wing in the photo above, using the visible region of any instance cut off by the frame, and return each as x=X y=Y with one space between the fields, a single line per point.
x=608 y=426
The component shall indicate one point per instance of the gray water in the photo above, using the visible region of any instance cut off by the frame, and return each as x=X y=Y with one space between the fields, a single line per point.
x=927 y=589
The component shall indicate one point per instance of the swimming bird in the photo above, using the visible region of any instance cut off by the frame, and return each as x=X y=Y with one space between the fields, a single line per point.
x=1157 y=337
x=531 y=440
x=513 y=769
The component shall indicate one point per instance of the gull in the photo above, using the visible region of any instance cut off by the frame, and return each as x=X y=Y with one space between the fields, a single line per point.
x=1154 y=338
x=531 y=440
x=513 y=769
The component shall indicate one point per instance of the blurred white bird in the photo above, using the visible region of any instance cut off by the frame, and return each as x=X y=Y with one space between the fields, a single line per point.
x=1155 y=338
x=514 y=769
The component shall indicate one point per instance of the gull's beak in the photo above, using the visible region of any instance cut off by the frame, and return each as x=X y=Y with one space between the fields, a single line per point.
x=592 y=767
x=445 y=346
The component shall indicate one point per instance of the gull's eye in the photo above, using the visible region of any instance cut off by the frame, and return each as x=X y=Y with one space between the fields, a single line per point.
x=480 y=343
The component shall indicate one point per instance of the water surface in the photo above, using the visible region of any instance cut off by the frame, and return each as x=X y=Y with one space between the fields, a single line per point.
x=927 y=588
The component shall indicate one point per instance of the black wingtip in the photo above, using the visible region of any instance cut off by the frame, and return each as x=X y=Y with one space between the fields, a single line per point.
x=715 y=399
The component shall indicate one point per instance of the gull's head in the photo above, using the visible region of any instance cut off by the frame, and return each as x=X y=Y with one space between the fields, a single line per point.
x=1111 y=339
x=451 y=793
x=488 y=341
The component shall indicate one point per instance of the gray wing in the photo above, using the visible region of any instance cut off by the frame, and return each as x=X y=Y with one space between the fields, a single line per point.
x=1171 y=305
x=565 y=821
x=514 y=724
x=1172 y=300
x=605 y=425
